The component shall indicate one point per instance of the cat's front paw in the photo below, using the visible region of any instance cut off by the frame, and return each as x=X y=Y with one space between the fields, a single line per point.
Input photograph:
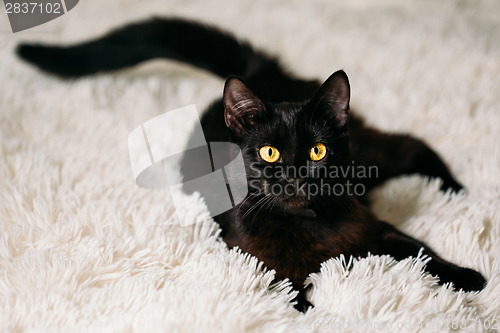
x=468 y=280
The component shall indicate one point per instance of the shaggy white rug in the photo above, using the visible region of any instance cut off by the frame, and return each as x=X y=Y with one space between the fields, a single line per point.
x=83 y=248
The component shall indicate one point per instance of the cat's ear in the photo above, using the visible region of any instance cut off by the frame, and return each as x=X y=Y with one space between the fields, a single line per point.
x=333 y=97
x=241 y=106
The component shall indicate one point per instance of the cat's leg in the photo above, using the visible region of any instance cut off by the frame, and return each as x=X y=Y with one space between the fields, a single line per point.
x=394 y=155
x=401 y=246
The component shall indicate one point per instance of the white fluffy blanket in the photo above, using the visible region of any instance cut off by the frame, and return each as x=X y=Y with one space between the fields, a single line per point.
x=82 y=248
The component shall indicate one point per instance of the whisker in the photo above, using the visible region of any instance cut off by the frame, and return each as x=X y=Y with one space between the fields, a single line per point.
x=250 y=196
x=262 y=206
x=255 y=206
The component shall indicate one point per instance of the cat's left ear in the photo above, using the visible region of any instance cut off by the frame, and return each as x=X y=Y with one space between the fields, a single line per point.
x=241 y=106
x=333 y=98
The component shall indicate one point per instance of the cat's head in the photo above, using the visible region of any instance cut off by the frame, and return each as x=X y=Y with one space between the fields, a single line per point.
x=290 y=149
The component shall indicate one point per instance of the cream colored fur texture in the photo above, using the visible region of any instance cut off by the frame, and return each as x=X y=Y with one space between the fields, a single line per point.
x=82 y=248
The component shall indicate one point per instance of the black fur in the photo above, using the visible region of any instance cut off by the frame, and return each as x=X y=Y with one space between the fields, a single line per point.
x=290 y=114
x=174 y=39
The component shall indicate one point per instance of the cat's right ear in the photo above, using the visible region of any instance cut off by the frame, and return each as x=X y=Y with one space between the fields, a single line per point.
x=241 y=106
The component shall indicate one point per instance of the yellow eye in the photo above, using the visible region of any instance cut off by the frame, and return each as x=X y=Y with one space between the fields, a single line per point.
x=269 y=154
x=317 y=152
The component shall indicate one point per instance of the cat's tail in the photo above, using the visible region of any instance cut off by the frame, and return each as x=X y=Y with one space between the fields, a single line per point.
x=193 y=43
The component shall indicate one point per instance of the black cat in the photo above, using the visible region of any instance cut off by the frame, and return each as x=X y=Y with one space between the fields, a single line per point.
x=283 y=124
